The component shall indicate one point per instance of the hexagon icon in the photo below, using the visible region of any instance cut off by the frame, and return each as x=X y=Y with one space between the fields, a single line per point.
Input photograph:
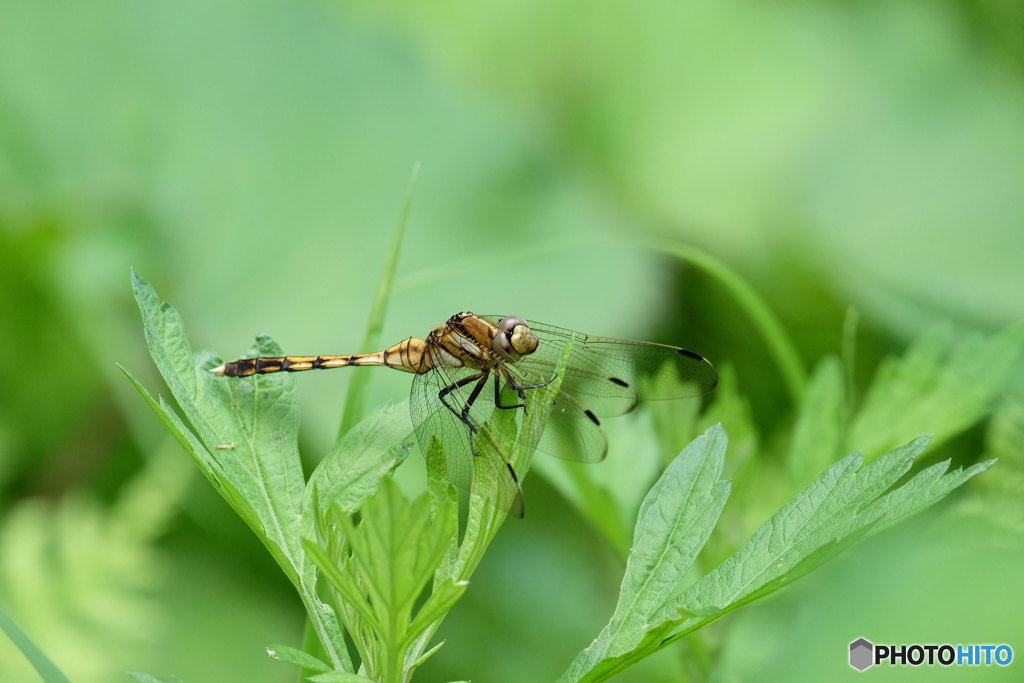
x=861 y=654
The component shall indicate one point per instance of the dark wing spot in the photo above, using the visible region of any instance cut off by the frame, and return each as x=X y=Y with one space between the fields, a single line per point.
x=616 y=380
x=690 y=354
x=593 y=418
x=516 y=509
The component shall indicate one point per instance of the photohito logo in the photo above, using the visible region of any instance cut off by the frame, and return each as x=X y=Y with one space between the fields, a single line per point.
x=864 y=653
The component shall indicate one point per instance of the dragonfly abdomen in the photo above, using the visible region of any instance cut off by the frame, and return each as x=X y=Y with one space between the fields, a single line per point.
x=407 y=356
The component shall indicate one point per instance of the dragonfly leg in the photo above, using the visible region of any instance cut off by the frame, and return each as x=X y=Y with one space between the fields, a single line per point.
x=452 y=387
x=497 y=395
x=519 y=389
x=481 y=379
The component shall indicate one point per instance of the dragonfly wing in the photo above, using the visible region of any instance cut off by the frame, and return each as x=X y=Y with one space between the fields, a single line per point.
x=463 y=449
x=572 y=431
x=610 y=375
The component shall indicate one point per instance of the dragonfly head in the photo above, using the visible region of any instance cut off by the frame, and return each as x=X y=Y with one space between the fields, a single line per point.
x=515 y=338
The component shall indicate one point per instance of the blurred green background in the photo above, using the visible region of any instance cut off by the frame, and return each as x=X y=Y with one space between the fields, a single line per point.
x=250 y=158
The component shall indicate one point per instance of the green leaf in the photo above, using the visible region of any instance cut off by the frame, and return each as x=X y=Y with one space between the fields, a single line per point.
x=248 y=429
x=345 y=584
x=443 y=597
x=243 y=434
x=938 y=387
x=340 y=677
x=847 y=503
x=844 y=505
x=745 y=465
x=999 y=497
x=46 y=669
x=208 y=465
x=820 y=426
x=378 y=569
x=675 y=520
x=291 y=655
x=354 y=466
x=146 y=678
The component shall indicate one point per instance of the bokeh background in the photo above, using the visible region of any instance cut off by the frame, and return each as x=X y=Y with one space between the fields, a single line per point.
x=250 y=160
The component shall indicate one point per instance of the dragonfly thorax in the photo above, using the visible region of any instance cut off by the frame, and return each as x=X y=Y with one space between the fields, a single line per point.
x=515 y=338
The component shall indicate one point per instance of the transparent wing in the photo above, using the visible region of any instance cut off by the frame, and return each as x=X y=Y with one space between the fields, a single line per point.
x=470 y=456
x=573 y=431
x=604 y=374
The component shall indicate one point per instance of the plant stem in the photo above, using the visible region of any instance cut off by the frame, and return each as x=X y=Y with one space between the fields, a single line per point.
x=780 y=346
x=355 y=399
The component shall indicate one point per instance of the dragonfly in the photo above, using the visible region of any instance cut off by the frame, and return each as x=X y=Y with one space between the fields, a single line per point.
x=453 y=408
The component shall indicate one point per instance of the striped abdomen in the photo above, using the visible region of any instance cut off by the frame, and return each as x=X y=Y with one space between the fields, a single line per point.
x=408 y=356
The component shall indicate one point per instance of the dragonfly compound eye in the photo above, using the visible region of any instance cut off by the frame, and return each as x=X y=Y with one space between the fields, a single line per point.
x=523 y=340
x=515 y=338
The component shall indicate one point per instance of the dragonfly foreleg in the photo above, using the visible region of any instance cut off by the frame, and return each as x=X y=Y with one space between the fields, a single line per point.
x=497 y=395
x=518 y=388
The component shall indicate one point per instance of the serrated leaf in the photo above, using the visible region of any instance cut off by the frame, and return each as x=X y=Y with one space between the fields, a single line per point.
x=444 y=496
x=744 y=466
x=675 y=520
x=847 y=503
x=1000 y=496
x=255 y=424
x=244 y=437
x=208 y=465
x=820 y=426
x=939 y=386
x=823 y=513
x=379 y=567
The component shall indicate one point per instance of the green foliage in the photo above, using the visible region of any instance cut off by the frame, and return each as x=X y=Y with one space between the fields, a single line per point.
x=942 y=384
x=1000 y=497
x=658 y=604
x=396 y=567
x=243 y=436
x=146 y=678
x=378 y=568
x=77 y=562
x=863 y=154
